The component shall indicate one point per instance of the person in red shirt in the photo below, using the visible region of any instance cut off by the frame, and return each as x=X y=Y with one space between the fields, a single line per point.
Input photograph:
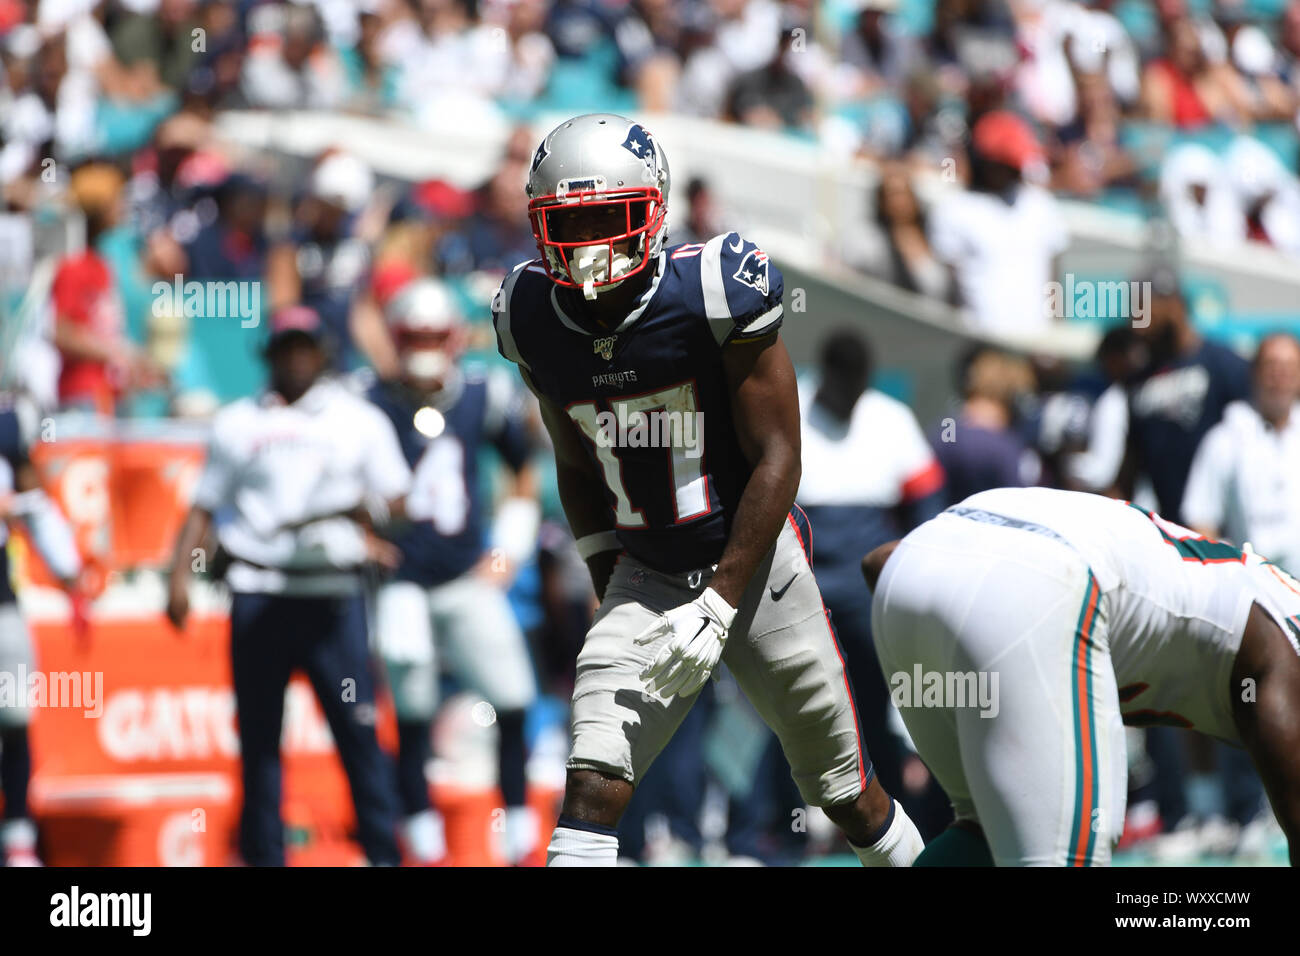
x=1183 y=88
x=99 y=362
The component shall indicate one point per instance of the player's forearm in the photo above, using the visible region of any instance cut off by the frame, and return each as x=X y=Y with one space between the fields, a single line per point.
x=764 y=506
x=583 y=501
x=525 y=483
x=282 y=276
x=582 y=493
x=78 y=342
x=366 y=324
x=518 y=518
x=48 y=526
x=188 y=542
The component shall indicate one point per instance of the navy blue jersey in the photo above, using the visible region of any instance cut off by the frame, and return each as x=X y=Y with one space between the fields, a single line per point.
x=13 y=454
x=332 y=272
x=447 y=533
x=1171 y=410
x=672 y=491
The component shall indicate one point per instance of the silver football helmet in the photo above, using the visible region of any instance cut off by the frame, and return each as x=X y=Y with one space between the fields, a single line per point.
x=599 y=161
x=428 y=330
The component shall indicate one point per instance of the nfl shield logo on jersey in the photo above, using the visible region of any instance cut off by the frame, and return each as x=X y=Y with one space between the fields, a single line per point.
x=604 y=347
x=753 y=270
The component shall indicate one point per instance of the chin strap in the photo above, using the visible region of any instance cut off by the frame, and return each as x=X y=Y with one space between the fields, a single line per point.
x=592 y=263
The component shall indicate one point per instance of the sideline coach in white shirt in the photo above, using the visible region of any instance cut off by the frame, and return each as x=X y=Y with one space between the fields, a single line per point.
x=288 y=481
x=1244 y=484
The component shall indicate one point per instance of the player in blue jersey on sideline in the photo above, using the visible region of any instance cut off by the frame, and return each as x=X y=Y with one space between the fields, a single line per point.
x=449 y=592
x=672 y=405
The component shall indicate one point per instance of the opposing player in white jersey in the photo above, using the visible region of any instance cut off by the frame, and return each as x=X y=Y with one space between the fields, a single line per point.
x=1021 y=629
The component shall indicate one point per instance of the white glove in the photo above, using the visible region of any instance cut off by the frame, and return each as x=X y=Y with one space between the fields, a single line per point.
x=698 y=634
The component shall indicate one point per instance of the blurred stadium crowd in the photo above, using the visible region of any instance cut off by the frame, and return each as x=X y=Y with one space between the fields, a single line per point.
x=115 y=177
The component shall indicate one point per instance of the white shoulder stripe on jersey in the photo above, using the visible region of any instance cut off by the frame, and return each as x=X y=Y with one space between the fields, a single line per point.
x=716 y=309
x=767 y=319
x=501 y=318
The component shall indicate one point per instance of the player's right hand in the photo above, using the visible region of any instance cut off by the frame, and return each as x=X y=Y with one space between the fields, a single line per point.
x=381 y=552
x=79 y=613
x=698 y=634
x=178 y=606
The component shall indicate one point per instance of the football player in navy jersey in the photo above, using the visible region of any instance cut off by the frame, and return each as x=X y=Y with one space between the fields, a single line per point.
x=672 y=406
x=449 y=590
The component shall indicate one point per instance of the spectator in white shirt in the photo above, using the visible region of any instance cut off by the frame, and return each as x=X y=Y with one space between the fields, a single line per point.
x=1198 y=197
x=869 y=475
x=1244 y=484
x=1002 y=236
x=292 y=67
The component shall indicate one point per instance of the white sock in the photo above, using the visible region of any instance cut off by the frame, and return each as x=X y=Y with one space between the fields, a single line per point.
x=424 y=837
x=18 y=841
x=572 y=847
x=900 y=845
x=520 y=835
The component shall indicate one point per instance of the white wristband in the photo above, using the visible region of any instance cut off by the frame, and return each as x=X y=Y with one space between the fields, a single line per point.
x=717 y=606
x=515 y=529
x=593 y=544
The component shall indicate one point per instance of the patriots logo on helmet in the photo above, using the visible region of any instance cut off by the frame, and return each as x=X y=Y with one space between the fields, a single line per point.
x=640 y=144
x=753 y=270
x=539 y=156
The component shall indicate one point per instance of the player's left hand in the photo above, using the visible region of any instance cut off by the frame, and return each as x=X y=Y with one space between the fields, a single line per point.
x=699 y=633
x=381 y=552
x=496 y=570
x=79 y=613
